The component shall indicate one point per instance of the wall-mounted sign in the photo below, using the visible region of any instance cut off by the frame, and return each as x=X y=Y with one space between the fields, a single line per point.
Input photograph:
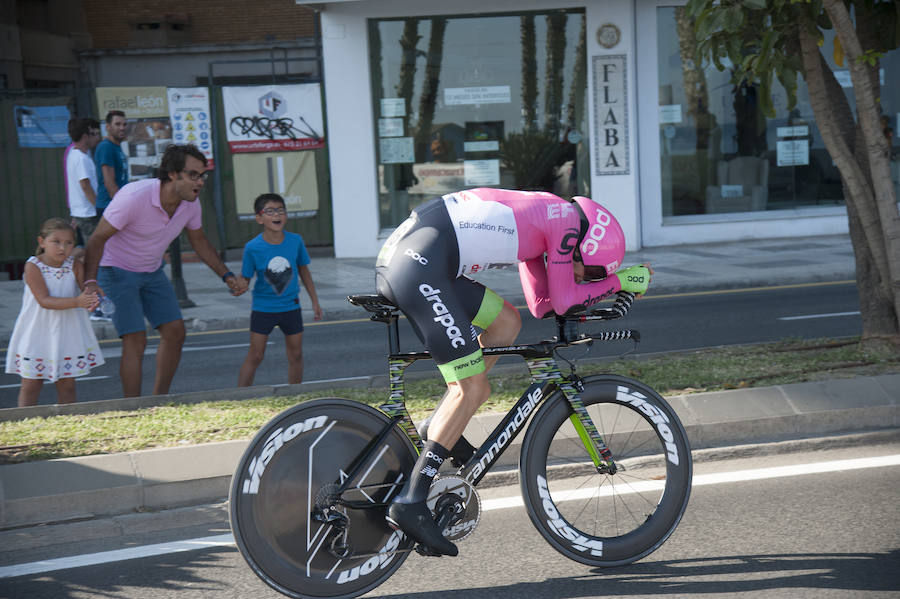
x=271 y=118
x=670 y=113
x=149 y=129
x=481 y=172
x=490 y=94
x=392 y=127
x=396 y=150
x=42 y=126
x=135 y=102
x=608 y=35
x=191 y=123
x=393 y=107
x=611 y=150
x=793 y=152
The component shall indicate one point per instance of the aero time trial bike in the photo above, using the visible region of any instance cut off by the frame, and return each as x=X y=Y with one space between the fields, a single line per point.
x=605 y=470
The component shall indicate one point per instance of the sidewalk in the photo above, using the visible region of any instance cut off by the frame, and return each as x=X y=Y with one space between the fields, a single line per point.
x=737 y=264
x=98 y=487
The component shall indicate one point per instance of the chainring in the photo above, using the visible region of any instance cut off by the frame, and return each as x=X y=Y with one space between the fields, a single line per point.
x=457 y=494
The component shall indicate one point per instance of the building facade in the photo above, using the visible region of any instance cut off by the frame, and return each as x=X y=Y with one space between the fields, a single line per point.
x=598 y=98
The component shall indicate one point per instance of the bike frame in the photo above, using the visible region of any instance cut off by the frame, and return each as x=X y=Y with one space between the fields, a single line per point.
x=546 y=380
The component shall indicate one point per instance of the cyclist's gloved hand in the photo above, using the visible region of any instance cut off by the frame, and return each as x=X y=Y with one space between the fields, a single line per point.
x=635 y=279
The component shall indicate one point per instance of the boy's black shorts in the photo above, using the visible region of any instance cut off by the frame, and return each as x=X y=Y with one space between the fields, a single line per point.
x=290 y=322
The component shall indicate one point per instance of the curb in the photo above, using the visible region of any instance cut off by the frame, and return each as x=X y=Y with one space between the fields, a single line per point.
x=37 y=493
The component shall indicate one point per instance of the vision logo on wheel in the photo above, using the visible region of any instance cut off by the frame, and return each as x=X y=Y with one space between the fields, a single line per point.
x=578 y=541
x=380 y=561
x=639 y=401
x=275 y=442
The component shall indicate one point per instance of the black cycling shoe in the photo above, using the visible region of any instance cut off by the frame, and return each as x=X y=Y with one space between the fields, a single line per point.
x=417 y=522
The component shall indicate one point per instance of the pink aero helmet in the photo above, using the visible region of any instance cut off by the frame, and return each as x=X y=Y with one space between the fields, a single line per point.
x=601 y=247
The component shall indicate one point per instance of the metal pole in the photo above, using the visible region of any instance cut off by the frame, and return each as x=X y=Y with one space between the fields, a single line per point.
x=177 y=277
x=217 y=171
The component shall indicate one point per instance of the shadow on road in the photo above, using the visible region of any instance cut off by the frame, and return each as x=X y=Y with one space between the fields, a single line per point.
x=764 y=574
x=709 y=577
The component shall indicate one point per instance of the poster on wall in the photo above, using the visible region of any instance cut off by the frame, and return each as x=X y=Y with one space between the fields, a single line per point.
x=190 y=118
x=149 y=130
x=292 y=175
x=42 y=126
x=271 y=118
x=610 y=151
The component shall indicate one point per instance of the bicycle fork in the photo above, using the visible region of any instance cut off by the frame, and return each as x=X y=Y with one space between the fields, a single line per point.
x=547 y=369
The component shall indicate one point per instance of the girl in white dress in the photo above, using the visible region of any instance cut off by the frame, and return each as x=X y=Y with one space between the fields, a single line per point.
x=53 y=339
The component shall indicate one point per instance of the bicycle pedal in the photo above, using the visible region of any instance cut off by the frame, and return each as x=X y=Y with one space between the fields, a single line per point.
x=427 y=551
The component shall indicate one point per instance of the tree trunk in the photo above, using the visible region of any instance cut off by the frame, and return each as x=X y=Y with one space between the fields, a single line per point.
x=428 y=100
x=556 y=55
x=529 y=74
x=575 y=105
x=694 y=77
x=829 y=106
x=408 y=43
x=868 y=110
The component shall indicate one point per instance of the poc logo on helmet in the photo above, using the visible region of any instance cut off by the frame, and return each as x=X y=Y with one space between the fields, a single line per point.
x=595 y=234
x=416 y=256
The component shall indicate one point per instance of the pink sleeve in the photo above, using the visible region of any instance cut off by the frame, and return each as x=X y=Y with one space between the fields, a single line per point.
x=533 y=276
x=565 y=293
x=118 y=212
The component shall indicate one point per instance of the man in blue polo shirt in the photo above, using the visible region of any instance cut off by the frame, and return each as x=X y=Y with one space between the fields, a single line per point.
x=112 y=164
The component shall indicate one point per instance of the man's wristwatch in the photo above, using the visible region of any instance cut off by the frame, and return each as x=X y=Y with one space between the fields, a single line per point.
x=226 y=275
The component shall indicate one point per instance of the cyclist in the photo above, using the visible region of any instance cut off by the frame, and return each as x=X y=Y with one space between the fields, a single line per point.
x=567 y=254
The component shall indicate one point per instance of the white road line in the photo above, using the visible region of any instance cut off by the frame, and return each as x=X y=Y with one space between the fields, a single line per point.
x=81 y=378
x=829 y=315
x=717 y=478
x=116 y=352
x=104 y=557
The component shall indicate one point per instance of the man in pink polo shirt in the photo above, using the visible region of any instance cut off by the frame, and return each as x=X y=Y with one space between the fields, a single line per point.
x=124 y=261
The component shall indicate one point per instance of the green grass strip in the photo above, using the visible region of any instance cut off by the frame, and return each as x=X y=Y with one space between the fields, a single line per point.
x=670 y=374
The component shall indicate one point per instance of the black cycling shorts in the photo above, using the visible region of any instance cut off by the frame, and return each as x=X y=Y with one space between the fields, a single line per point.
x=417 y=269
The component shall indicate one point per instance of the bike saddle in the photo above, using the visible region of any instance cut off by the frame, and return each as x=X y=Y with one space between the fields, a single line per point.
x=372 y=302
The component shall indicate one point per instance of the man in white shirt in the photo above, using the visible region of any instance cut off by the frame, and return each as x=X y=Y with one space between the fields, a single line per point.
x=81 y=175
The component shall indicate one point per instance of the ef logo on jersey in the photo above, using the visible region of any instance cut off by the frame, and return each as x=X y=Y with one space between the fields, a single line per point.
x=559 y=210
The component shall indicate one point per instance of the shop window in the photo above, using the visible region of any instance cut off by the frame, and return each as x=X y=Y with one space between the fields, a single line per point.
x=484 y=101
x=719 y=153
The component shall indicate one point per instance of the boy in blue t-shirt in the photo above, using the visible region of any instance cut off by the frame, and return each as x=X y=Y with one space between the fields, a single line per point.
x=279 y=260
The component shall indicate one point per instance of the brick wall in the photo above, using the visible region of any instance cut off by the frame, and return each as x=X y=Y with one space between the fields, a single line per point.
x=212 y=21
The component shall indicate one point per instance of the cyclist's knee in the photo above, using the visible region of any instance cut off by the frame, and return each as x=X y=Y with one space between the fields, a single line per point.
x=475 y=390
x=505 y=327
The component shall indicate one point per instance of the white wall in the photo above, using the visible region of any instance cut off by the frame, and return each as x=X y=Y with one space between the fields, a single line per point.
x=619 y=193
x=635 y=198
x=350 y=119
